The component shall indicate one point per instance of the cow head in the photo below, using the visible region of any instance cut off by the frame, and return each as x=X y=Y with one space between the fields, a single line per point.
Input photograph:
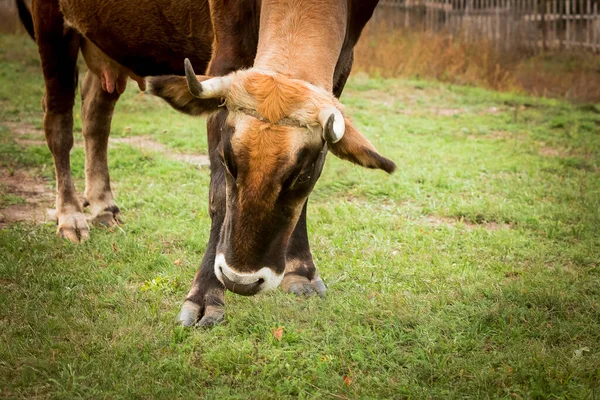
x=278 y=131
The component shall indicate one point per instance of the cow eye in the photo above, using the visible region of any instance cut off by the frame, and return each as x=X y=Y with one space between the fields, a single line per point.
x=303 y=178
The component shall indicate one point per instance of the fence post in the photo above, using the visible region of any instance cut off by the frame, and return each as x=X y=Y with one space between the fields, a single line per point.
x=596 y=27
x=567 y=23
x=588 y=24
x=555 y=39
x=579 y=23
x=544 y=26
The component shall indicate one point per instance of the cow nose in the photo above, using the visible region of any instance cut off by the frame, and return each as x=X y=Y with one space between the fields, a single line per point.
x=246 y=284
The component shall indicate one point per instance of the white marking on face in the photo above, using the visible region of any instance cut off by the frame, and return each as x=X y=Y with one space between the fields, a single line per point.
x=270 y=279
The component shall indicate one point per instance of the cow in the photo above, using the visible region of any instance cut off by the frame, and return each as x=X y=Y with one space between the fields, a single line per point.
x=274 y=73
x=118 y=40
x=273 y=116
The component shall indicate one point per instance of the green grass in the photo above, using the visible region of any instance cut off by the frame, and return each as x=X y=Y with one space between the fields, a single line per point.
x=9 y=199
x=472 y=272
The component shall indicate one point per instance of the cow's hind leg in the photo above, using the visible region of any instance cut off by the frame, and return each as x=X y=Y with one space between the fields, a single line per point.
x=59 y=47
x=301 y=276
x=97 y=108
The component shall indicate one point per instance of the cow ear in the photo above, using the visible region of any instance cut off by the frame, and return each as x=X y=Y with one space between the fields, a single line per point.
x=174 y=89
x=356 y=148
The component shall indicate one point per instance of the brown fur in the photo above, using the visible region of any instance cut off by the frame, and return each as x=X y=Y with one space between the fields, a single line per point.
x=355 y=148
x=275 y=97
x=148 y=37
x=302 y=39
x=234 y=47
x=271 y=96
x=265 y=147
x=174 y=90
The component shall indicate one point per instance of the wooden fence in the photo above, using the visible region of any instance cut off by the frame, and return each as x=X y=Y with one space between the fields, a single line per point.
x=535 y=24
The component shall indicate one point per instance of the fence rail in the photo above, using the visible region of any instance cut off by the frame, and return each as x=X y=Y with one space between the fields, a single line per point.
x=535 y=24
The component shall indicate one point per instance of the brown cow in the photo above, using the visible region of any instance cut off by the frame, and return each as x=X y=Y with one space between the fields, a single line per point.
x=268 y=143
x=118 y=40
x=282 y=64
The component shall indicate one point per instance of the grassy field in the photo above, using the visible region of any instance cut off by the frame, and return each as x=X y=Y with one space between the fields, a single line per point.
x=472 y=272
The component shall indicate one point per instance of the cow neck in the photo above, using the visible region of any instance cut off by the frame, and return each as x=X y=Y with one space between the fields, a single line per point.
x=302 y=39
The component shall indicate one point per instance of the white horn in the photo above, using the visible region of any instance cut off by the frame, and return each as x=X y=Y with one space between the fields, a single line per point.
x=332 y=121
x=216 y=87
x=208 y=89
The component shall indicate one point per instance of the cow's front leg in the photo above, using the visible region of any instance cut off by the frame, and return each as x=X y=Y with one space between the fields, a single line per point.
x=301 y=276
x=205 y=302
x=97 y=108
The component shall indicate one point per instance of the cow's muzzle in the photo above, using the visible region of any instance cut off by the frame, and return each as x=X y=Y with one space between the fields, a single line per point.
x=246 y=284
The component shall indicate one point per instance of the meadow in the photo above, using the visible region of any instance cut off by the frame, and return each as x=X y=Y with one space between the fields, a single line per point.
x=473 y=272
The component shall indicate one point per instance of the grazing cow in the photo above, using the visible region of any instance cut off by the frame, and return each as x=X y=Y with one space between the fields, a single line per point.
x=271 y=88
x=118 y=40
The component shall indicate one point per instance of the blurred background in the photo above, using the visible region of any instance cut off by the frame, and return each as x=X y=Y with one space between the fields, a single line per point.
x=9 y=19
x=541 y=47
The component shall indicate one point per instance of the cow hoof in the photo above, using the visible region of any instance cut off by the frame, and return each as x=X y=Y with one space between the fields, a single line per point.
x=73 y=227
x=319 y=286
x=213 y=315
x=188 y=314
x=108 y=217
x=301 y=286
x=209 y=320
x=190 y=311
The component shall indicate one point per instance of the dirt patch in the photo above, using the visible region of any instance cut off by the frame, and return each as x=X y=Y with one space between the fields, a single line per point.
x=446 y=112
x=502 y=135
x=413 y=212
x=23 y=128
x=550 y=152
x=140 y=142
x=436 y=221
x=495 y=135
x=38 y=195
x=442 y=112
x=30 y=142
x=146 y=143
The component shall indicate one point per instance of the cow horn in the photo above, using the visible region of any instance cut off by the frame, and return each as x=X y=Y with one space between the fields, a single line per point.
x=332 y=121
x=208 y=89
x=193 y=83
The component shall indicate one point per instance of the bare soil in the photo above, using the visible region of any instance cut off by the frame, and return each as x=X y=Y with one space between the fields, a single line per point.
x=38 y=194
x=436 y=221
x=147 y=143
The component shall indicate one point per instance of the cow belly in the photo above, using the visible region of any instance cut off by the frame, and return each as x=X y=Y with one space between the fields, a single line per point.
x=145 y=37
x=112 y=75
